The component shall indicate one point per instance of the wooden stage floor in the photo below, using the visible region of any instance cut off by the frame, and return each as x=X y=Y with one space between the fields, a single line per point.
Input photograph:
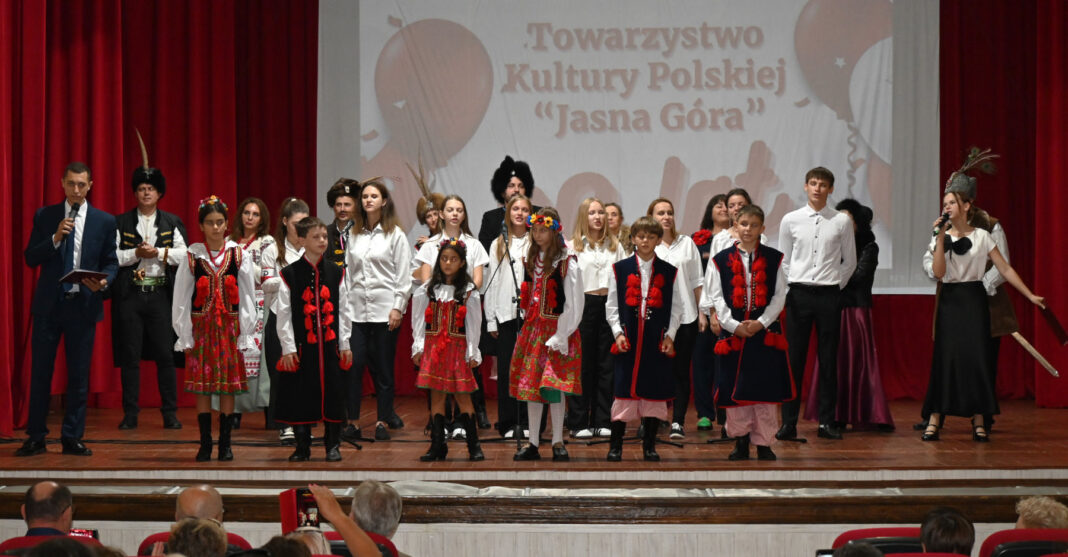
x=888 y=477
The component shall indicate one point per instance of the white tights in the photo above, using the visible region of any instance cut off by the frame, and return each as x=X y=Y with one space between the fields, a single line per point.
x=556 y=412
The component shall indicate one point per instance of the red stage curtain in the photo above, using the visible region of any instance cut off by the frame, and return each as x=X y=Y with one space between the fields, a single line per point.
x=1051 y=174
x=987 y=83
x=198 y=78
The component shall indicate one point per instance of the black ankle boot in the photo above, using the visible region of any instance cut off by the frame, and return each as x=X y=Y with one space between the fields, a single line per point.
x=303 y=442
x=741 y=449
x=438 y=449
x=225 y=454
x=474 y=450
x=615 y=443
x=649 y=439
x=332 y=441
x=204 y=421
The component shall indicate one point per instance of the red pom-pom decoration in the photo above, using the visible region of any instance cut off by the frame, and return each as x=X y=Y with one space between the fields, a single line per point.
x=230 y=283
x=634 y=281
x=461 y=313
x=658 y=281
x=202 y=291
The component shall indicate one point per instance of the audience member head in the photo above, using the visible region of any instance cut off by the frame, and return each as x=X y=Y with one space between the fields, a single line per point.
x=376 y=507
x=1041 y=512
x=311 y=537
x=199 y=501
x=946 y=530
x=60 y=546
x=286 y=546
x=48 y=505
x=857 y=550
x=197 y=537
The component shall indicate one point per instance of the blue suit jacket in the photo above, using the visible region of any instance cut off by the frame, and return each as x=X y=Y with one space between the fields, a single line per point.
x=98 y=254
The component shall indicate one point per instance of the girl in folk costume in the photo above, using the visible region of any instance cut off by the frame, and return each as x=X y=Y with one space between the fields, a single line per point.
x=680 y=251
x=315 y=317
x=252 y=233
x=748 y=295
x=377 y=262
x=428 y=207
x=454 y=225
x=644 y=307
x=961 y=381
x=446 y=319
x=596 y=250
x=501 y=295
x=547 y=362
x=214 y=314
x=286 y=248
x=715 y=220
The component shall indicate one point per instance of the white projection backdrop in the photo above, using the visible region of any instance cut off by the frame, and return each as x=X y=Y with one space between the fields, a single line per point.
x=629 y=100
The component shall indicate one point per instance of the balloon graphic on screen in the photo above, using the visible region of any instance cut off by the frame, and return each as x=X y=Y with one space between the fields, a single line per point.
x=871 y=93
x=830 y=36
x=433 y=81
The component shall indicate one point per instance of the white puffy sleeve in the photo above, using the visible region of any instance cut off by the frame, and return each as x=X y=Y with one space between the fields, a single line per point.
x=401 y=281
x=182 y=306
x=346 y=313
x=472 y=326
x=676 y=308
x=993 y=279
x=176 y=253
x=284 y=318
x=777 y=302
x=928 y=259
x=611 y=306
x=246 y=291
x=574 y=304
x=714 y=295
x=420 y=301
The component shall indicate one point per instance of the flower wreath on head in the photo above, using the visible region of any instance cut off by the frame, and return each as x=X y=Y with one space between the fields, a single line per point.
x=454 y=242
x=544 y=220
x=211 y=200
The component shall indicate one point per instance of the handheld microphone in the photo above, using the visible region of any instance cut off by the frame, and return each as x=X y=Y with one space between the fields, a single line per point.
x=74 y=210
x=941 y=222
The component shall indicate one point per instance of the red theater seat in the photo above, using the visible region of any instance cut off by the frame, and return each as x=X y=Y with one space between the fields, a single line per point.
x=867 y=533
x=1004 y=540
x=23 y=542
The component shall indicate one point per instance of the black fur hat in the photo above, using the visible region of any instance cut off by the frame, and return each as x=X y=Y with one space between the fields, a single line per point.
x=504 y=173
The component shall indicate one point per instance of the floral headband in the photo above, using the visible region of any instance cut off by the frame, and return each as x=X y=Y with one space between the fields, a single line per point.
x=211 y=200
x=454 y=242
x=546 y=221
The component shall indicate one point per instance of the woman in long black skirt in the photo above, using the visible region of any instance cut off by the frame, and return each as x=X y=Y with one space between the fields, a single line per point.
x=961 y=383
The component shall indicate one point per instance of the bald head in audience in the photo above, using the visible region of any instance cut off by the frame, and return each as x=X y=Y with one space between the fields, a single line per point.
x=1041 y=512
x=199 y=501
x=48 y=505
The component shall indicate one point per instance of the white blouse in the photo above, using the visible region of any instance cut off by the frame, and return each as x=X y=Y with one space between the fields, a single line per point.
x=645 y=270
x=963 y=268
x=472 y=321
x=596 y=264
x=683 y=254
x=715 y=298
x=271 y=269
x=287 y=336
x=182 y=304
x=499 y=288
x=574 y=303
x=254 y=250
x=428 y=253
x=376 y=268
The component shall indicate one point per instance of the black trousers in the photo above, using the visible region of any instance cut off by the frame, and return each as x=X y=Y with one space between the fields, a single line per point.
x=509 y=410
x=272 y=352
x=808 y=306
x=67 y=320
x=374 y=346
x=592 y=409
x=704 y=373
x=685 y=340
x=140 y=318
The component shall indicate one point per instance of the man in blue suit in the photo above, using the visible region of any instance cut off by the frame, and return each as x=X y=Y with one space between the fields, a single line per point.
x=67 y=236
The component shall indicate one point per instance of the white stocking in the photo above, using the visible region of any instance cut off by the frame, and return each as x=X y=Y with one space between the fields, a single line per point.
x=534 y=410
x=556 y=412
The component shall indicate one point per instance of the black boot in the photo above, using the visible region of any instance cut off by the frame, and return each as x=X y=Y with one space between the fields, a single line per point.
x=303 y=442
x=649 y=439
x=474 y=450
x=741 y=449
x=225 y=424
x=765 y=453
x=204 y=421
x=332 y=440
x=615 y=443
x=438 y=449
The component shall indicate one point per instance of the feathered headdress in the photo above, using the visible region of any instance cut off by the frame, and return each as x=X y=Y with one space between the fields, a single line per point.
x=145 y=174
x=429 y=200
x=977 y=159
